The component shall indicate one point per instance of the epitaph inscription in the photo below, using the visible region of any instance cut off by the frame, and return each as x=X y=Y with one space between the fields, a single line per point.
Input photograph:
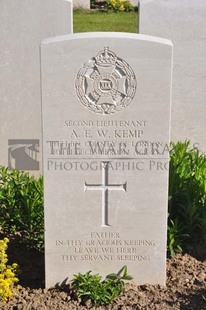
x=108 y=247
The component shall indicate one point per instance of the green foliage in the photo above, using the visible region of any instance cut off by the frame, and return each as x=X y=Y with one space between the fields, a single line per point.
x=21 y=206
x=175 y=237
x=120 y=5
x=91 y=287
x=187 y=197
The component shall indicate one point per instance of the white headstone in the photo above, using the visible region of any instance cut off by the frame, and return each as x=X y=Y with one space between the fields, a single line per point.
x=23 y=24
x=106 y=111
x=85 y=4
x=183 y=22
x=134 y=2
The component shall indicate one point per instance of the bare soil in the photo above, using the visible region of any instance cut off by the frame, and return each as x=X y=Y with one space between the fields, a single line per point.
x=185 y=288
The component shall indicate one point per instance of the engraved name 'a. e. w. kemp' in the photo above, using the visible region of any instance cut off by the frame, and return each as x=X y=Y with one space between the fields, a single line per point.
x=105 y=84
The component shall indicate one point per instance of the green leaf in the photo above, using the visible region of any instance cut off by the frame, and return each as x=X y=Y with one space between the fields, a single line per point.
x=112 y=276
x=125 y=271
x=127 y=277
x=121 y=270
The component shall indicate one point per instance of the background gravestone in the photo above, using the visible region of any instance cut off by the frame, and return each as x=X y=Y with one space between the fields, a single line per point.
x=85 y=4
x=134 y=2
x=184 y=23
x=106 y=112
x=23 y=24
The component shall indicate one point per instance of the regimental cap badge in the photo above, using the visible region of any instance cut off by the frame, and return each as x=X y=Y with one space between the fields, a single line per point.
x=105 y=84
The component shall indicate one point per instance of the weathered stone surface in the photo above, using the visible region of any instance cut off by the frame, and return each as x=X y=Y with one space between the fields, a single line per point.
x=106 y=112
x=23 y=24
x=184 y=23
x=134 y=2
x=85 y=4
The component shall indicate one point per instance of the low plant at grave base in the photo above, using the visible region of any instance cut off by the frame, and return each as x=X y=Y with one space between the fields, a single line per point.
x=175 y=237
x=187 y=198
x=119 y=5
x=8 y=273
x=21 y=206
x=100 y=292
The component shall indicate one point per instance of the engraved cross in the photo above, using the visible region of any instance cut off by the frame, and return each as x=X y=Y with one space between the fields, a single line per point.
x=105 y=187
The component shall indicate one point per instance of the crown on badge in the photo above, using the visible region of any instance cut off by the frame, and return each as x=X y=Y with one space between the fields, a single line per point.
x=106 y=58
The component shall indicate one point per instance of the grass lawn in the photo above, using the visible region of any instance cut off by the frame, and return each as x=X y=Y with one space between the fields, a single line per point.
x=88 y=21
